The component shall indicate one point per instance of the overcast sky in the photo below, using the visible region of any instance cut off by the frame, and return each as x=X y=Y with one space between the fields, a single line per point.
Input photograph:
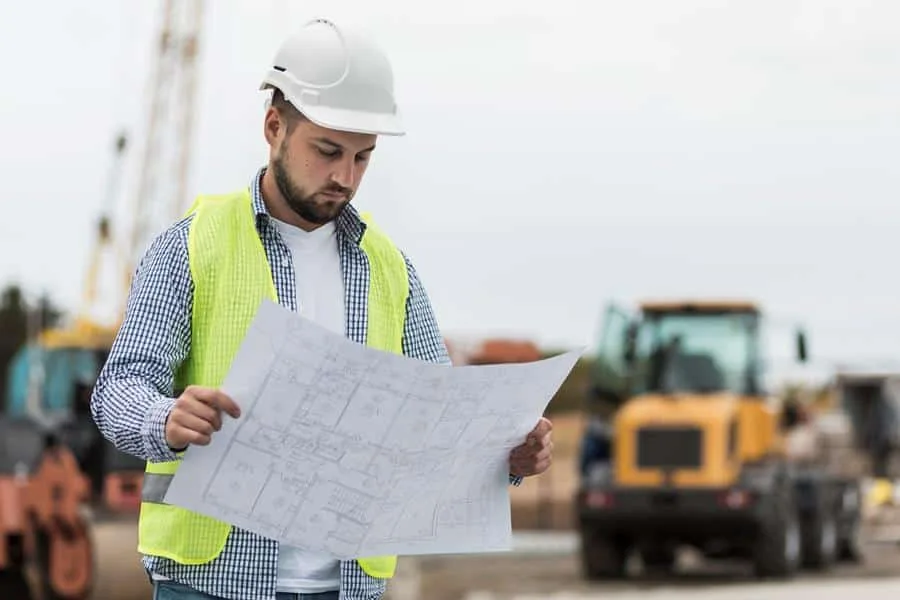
x=556 y=158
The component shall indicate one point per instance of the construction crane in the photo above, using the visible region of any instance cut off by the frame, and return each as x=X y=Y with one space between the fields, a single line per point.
x=173 y=81
x=48 y=397
x=166 y=162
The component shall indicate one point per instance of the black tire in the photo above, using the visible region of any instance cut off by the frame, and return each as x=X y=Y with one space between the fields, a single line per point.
x=820 y=529
x=42 y=562
x=14 y=585
x=658 y=560
x=850 y=544
x=820 y=540
x=602 y=557
x=777 y=549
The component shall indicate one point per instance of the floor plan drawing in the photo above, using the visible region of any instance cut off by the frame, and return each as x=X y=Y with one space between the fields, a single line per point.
x=357 y=452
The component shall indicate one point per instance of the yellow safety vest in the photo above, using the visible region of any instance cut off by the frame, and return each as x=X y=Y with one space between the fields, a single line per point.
x=231 y=277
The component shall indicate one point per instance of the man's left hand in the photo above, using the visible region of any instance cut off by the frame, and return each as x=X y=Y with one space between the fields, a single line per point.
x=533 y=457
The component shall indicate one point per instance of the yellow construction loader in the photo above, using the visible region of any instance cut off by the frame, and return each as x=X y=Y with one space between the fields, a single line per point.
x=693 y=453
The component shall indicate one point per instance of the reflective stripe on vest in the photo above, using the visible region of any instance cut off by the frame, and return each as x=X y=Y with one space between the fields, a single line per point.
x=231 y=276
x=155 y=487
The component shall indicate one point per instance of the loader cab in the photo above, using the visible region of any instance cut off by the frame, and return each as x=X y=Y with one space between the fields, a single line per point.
x=674 y=348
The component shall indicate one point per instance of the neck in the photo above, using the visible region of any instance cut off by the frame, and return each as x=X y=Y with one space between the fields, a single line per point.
x=278 y=206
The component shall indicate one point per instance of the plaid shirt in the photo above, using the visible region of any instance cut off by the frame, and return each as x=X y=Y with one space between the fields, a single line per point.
x=133 y=395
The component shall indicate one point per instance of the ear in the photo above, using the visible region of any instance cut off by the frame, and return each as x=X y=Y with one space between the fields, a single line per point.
x=273 y=127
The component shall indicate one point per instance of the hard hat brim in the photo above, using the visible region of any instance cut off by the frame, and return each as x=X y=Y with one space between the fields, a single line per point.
x=353 y=121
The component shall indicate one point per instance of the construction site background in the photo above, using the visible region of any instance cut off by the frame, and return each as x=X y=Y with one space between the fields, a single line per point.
x=543 y=511
x=69 y=501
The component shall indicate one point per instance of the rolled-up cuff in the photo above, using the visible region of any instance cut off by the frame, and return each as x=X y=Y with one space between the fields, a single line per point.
x=154 y=431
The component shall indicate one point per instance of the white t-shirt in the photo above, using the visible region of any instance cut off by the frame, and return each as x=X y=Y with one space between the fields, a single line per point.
x=320 y=297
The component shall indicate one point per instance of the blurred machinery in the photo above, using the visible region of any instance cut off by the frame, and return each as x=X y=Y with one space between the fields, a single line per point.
x=58 y=475
x=858 y=435
x=691 y=450
x=871 y=402
x=492 y=351
x=42 y=519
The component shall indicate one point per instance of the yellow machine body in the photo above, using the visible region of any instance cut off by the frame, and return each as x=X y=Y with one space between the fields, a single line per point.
x=723 y=432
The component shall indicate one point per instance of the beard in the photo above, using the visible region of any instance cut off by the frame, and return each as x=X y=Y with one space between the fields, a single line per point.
x=303 y=203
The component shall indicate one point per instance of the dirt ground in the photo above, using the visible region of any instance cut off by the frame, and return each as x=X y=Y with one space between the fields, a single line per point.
x=820 y=589
x=120 y=576
x=505 y=576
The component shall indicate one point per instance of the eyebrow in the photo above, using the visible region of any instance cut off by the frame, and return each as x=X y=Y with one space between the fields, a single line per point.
x=325 y=140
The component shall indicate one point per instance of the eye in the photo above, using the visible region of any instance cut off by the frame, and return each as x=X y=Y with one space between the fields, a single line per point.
x=328 y=153
x=362 y=158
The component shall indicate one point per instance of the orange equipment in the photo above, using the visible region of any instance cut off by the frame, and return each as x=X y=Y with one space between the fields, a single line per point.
x=57 y=494
x=493 y=351
x=43 y=524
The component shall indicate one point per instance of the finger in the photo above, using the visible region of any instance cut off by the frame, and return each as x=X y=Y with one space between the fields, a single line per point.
x=203 y=411
x=196 y=438
x=186 y=437
x=543 y=428
x=535 y=442
x=517 y=468
x=531 y=456
x=544 y=454
x=524 y=454
x=531 y=449
x=525 y=469
x=524 y=446
x=216 y=398
x=189 y=422
x=522 y=464
x=520 y=450
x=528 y=460
x=535 y=464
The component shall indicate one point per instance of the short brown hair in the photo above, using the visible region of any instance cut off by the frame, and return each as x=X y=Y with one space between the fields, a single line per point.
x=288 y=111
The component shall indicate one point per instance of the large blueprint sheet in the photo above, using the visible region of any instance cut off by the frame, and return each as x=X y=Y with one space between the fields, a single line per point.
x=357 y=452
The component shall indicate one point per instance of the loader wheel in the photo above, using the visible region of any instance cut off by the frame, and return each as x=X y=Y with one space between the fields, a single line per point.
x=14 y=585
x=76 y=569
x=820 y=540
x=602 y=557
x=777 y=551
x=820 y=530
x=658 y=560
x=850 y=542
x=850 y=548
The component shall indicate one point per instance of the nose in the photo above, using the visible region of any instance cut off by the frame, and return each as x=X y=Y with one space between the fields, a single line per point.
x=344 y=173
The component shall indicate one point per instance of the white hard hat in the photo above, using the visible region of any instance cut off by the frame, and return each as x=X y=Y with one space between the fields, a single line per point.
x=338 y=78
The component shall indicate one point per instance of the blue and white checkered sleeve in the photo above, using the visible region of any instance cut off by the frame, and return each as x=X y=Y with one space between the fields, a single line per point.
x=132 y=398
x=422 y=337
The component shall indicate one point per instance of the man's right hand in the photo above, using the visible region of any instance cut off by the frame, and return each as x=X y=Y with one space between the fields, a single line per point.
x=196 y=415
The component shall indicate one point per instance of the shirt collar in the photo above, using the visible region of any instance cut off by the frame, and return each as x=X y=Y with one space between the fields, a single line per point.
x=349 y=223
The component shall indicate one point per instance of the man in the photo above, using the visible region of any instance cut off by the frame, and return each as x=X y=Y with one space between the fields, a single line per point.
x=292 y=234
